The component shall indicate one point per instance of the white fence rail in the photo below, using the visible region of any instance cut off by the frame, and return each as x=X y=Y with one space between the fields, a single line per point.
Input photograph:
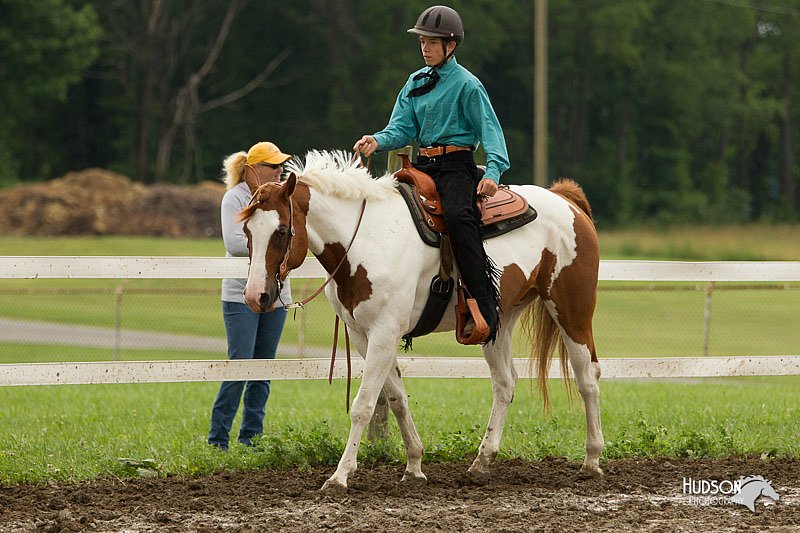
x=18 y=267
x=415 y=367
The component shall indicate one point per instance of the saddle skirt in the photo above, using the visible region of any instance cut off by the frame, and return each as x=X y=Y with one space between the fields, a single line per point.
x=503 y=212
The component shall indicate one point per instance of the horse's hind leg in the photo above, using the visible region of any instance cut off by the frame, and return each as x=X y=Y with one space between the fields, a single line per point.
x=587 y=377
x=576 y=332
x=504 y=378
x=398 y=402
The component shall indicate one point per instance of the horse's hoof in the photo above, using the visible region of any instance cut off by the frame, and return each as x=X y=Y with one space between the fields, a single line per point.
x=333 y=488
x=590 y=472
x=414 y=479
x=478 y=476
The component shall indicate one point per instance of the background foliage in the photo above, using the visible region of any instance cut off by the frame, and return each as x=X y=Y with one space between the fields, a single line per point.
x=664 y=111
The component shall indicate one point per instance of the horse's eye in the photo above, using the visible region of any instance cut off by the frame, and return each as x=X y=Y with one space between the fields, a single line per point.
x=282 y=231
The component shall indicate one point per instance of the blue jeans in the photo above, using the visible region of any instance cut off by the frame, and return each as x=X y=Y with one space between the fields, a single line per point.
x=250 y=336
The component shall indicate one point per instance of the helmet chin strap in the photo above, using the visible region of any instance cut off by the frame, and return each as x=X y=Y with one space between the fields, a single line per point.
x=445 y=54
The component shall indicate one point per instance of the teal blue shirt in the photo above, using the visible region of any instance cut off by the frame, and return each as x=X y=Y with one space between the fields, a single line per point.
x=457 y=111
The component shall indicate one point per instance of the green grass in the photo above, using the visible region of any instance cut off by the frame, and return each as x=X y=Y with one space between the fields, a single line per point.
x=669 y=323
x=640 y=323
x=79 y=432
x=110 y=246
x=754 y=242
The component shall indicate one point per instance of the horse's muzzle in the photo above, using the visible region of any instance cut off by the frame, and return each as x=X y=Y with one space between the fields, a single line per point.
x=261 y=301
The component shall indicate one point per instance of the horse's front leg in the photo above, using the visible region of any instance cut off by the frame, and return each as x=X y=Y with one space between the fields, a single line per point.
x=378 y=362
x=398 y=402
x=504 y=378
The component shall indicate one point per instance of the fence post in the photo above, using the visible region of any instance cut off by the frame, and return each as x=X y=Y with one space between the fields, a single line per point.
x=379 y=425
x=707 y=318
x=118 y=319
x=394 y=162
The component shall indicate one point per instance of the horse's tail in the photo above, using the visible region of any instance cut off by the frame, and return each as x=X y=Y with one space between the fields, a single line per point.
x=538 y=324
x=544 y=338
x=573 y=192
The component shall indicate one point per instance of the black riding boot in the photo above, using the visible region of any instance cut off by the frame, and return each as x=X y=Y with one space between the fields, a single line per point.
x=456 y=178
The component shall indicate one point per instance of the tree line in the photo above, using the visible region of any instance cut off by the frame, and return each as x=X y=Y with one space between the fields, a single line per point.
x=665 y=111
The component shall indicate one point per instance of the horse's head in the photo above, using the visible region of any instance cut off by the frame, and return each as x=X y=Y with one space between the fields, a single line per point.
x=277 y=242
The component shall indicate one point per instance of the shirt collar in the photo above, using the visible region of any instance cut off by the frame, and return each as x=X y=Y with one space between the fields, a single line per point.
x=449 y=66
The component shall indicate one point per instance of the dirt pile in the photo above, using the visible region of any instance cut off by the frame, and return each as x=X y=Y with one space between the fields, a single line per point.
x=99 y=202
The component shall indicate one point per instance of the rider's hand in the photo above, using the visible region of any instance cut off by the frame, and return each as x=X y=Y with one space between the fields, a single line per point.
x=366 y=145
x=487 y=187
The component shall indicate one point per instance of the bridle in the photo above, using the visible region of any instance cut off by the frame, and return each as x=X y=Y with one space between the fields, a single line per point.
x=251 y=168
x=285 y=267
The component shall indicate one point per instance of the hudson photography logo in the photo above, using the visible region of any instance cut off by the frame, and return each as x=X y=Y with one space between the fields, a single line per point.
x=743 y=491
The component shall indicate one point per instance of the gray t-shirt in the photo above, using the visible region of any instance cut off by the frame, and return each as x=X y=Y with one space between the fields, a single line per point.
x=236 y=199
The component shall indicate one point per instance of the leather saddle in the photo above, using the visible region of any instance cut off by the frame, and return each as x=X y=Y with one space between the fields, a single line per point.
x=501 y=213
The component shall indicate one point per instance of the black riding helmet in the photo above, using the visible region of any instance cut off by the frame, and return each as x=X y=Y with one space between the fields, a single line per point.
x=444 y=23
x=440 y=21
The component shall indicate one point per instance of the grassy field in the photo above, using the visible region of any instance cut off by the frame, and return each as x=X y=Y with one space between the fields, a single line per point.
x=78 y=432
x=754 y=242
x=640 y=323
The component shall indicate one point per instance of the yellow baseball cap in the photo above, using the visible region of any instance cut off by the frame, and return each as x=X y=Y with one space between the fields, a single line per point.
x=266 y=152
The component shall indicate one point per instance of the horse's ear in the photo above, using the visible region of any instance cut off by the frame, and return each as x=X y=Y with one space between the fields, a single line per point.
x=288 y=187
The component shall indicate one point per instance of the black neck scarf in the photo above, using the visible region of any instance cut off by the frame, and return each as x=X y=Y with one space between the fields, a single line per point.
x=425 y=88
x=433 y=78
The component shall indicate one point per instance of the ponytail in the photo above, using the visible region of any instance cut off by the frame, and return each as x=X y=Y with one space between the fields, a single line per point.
x=233 y=167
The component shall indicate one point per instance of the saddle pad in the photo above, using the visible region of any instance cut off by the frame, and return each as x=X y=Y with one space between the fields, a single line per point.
x=433 y=238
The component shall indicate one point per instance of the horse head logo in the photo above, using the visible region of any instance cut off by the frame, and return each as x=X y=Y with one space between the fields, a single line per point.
x=750 y=488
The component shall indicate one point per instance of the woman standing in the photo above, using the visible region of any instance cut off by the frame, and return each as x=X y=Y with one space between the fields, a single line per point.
x=250 y=335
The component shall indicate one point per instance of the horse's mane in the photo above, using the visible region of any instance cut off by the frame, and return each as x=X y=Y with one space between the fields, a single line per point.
x=337 y=174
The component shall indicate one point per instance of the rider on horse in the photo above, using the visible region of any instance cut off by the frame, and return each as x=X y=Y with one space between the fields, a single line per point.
x=445 y=108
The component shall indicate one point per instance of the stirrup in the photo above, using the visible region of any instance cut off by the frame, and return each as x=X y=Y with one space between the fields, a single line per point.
x=467 y=312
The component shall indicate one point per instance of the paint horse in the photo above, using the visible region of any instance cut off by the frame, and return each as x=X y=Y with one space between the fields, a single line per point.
x=549 y=280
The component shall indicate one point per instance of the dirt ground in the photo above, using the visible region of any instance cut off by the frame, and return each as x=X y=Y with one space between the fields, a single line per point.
x=634 y=495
